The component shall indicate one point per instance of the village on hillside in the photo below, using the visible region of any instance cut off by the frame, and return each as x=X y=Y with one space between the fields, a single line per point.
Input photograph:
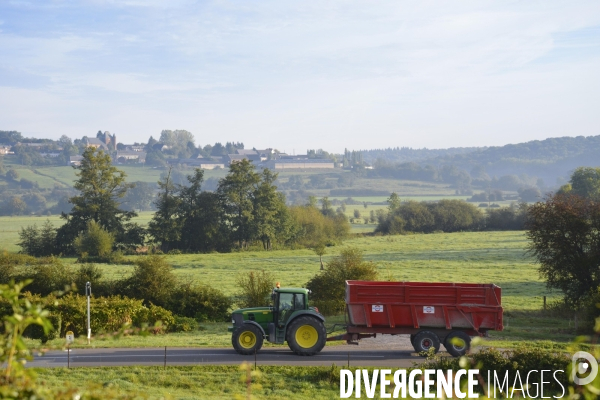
x=174 y=148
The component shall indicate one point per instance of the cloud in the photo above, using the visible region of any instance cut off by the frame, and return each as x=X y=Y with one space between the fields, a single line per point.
x=313 y=74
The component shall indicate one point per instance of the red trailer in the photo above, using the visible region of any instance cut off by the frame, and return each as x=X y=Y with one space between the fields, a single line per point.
x=431 y=313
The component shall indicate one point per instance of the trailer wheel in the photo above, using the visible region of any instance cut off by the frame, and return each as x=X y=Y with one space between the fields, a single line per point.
x=306 y=336
x=247 y=339
x=425 y=340
x=457 y=343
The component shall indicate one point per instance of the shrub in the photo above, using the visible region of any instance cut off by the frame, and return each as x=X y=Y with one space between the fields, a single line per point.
x=255 y=288
x=48 y=275
x=116 y=257
x=9 y=263
x=89 y=273
x=107 y=314
x=329 y=287
x=507 y=218
x=445 y=216
x=312 y=227
x=95 y=241
x=37 y=331
x=455 y=215
x=13 y=259
x=203 y=303
x=152 y=315
x=152 y=280
x=184 y=324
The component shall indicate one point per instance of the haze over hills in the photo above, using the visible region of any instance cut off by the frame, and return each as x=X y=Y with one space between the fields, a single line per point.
x=35 y=169
x=408 y=154
x=551 y=159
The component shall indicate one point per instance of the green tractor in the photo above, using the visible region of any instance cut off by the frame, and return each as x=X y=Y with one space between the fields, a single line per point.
x=289 y=319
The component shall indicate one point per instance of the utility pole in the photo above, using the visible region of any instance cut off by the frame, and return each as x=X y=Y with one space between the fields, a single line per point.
x=88 y=293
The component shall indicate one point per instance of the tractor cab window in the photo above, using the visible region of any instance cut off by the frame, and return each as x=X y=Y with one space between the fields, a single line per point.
x=286 y=307
x=298 y=301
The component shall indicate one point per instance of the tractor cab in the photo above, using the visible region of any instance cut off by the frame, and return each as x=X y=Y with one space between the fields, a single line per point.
x=288 y=319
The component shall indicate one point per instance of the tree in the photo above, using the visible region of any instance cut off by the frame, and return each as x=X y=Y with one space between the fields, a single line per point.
x=95 y=241
x=564 y=234
x=152 y=280
x=149 y=146
x=177 y=141
x=139 y=197
x=201 y=217
x=510 y=218
x=236 y=191
x=38 y=242
x=312 y=227
x=416 y=216
x=14 y=206
x=10 y=137
x=320 y=250
x=100 y=186
x=328 y=286
x=585 y=182
x=255 y=288
x=270 y=214
x=393 y=202
x=34 y=201
x=455 y=216
x=530 y=194
x=326 y=209
x=165 y=227
x=156 y=159
x=65 y=141
x=12 y=174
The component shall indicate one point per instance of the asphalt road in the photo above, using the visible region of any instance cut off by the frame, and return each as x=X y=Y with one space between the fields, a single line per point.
x=339 y=355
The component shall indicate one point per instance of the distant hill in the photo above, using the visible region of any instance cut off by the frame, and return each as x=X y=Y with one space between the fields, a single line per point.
x=407 y=154
x=550 y=159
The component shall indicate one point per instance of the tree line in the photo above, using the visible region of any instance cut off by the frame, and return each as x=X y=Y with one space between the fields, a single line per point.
x=447 y=216
x=244 y=210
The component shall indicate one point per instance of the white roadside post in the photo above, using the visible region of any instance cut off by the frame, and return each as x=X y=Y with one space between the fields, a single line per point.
x=70 y=338
x=88 y=293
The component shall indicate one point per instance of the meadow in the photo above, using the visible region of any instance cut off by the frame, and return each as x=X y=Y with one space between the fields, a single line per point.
x=199 y=382
x=478 y=257
x=483 y=257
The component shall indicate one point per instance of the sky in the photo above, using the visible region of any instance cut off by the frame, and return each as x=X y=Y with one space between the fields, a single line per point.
x=297 y=75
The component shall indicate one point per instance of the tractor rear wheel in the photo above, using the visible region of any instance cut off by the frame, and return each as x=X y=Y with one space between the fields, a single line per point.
x=457 y=343
x=425 y=340
x=247 y=339
x=306 y=336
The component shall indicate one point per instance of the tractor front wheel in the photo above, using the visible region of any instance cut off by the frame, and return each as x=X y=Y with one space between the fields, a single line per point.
x=247 y=339
x=306 y=336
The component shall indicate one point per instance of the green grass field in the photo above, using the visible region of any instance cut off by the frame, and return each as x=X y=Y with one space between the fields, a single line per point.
x=478 y=257
x=484 y=257
x=490 y=257
x=199 y=382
